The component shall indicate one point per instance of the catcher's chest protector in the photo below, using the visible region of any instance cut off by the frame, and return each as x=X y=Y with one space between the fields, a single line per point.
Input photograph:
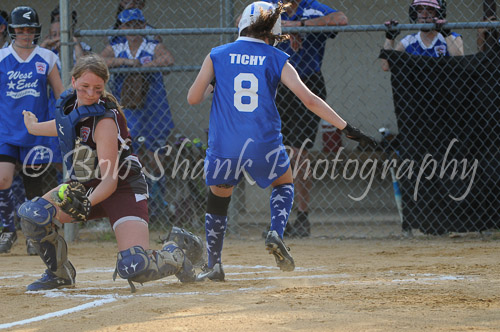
x=66 y=127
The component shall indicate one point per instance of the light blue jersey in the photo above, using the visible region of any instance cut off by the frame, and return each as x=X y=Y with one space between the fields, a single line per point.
x=244 y=121
x=23 y=86
x=413 y=44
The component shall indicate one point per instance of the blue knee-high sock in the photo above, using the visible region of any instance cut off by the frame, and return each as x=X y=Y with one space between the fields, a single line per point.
x=215 y=229
x=281 y=205
x=7 y=210
x=18 y=193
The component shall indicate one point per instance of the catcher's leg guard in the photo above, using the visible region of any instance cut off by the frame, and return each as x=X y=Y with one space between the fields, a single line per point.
x=186 y=271
x=139 y=265
x=191 y=244
x=36 y=222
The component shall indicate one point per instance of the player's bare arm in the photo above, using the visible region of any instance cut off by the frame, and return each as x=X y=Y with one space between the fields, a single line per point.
x=162 y=57
x=46 y=128
x=291 y=79
x=112 y=61
x=107 y=152
x=55 y=82
x=201 y=87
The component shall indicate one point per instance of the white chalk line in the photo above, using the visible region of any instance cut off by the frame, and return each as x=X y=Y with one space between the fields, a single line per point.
x=71 y=293
x=105 y=270
x=59 y=313
x=108 y=298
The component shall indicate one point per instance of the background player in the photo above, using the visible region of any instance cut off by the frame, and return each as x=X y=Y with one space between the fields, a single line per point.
x=26 y=70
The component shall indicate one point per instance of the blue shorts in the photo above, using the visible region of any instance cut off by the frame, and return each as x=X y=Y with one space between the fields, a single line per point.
x=31 y=155
x=229 y=171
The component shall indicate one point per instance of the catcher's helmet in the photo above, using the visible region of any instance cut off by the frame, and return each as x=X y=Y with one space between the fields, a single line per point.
x=252 y=12
x=440 y=6
x=187 y=241
x=24 y=17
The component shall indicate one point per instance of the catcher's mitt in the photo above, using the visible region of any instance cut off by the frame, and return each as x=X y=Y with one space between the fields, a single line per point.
x=75 y=201
x=134 y=91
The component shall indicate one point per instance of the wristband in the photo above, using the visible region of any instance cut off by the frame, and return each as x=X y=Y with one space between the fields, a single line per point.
x=303 y=23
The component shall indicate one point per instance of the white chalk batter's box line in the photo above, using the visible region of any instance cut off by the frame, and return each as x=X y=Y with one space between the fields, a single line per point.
x=99 y=300
x=261 y=269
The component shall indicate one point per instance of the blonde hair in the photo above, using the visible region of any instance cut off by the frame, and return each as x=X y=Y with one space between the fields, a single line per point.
x=95 y=64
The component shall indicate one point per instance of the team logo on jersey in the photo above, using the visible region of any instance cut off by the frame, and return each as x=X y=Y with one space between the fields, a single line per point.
x=41 y=68
x=84 y=133
x=440 y=50
x=146 y=59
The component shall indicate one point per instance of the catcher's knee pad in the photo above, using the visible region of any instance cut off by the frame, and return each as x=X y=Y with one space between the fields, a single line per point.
x=217 y=205
x=139 y=265
x=36 y=218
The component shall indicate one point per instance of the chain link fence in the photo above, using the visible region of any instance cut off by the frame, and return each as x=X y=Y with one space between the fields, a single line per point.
x=351 y=191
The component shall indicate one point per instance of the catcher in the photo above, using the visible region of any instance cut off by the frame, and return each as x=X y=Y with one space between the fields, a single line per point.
x=106 y=181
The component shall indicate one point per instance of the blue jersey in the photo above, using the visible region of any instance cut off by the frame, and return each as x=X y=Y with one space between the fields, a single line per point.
x=156 y=105
x=247 y=74
x=308 y=59
x=23 y=86
x=413 y=44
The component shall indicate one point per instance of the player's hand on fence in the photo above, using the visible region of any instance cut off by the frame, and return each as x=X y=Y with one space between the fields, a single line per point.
x=360 y=137
x=392 y=30
x=74 y=201
x=29 y=120
x=439 y=27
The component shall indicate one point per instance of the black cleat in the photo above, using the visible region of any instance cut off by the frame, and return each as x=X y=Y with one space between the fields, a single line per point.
x=7 y=239
x=50 y=281
x=276 y=246
x=215 y=273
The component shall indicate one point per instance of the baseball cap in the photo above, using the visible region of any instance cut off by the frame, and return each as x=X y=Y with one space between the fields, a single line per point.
x=132 y=14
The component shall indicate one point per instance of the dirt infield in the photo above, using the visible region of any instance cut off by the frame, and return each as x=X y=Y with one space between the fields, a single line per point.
x=431 y=284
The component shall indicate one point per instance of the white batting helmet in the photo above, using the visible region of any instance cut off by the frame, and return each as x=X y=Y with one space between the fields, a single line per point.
x=252 y=12
x=440 y=6
x=430 y=3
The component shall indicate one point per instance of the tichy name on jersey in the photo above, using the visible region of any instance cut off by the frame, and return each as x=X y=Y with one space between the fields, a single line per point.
x=246 y=59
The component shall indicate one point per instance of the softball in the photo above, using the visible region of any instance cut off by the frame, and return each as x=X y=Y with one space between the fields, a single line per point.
x=62 y=189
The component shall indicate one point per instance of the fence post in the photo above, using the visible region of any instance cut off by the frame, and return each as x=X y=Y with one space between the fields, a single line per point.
x=489 y=10
x=66 y=64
